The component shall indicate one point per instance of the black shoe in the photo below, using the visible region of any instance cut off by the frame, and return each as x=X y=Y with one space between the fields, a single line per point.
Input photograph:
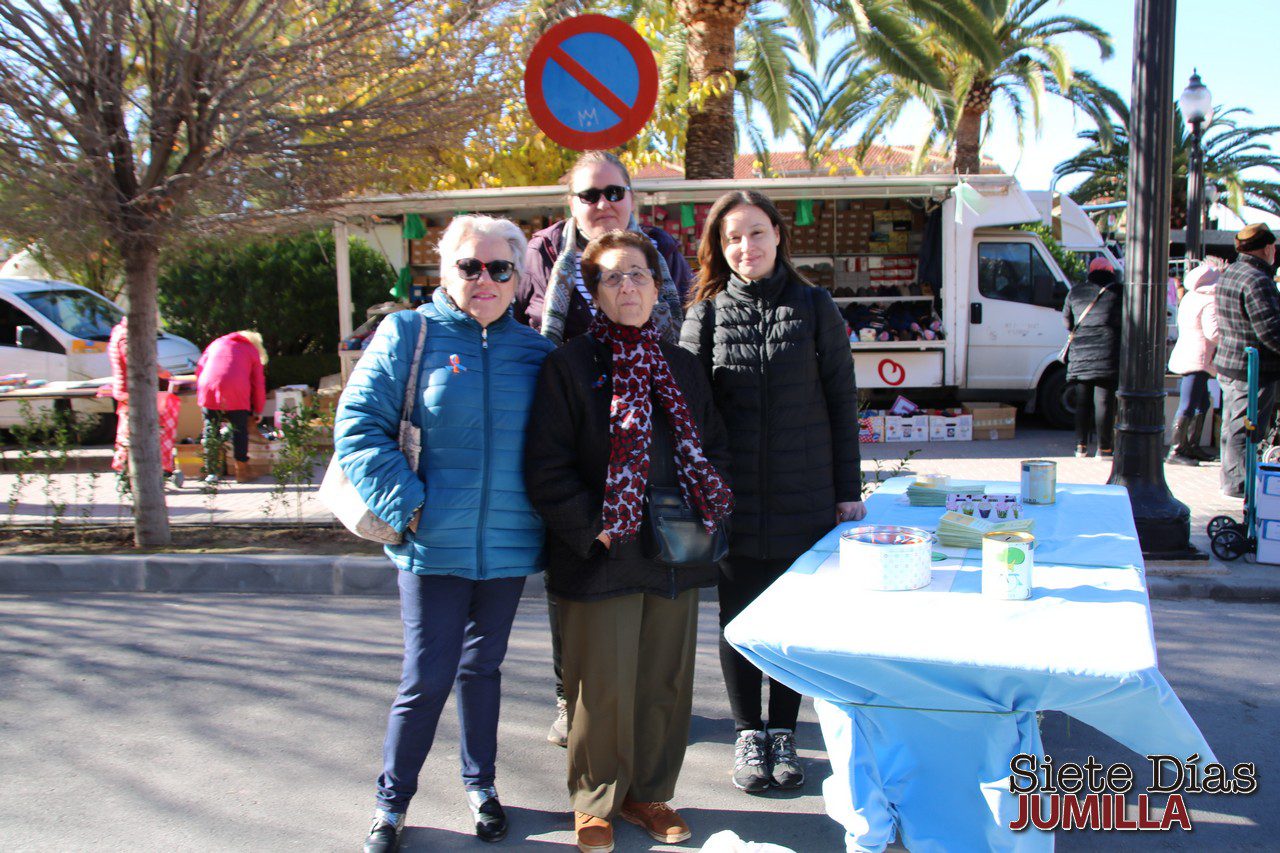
x=1175 y=458
x=486 y=811
x=384 y=835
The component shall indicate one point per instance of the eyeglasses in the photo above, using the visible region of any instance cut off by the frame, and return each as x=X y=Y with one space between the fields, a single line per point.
x=614 y=278
x=499 y=271
x=613 y=192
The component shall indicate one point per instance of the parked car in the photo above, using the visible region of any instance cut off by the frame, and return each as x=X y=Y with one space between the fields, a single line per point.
x=58 y=331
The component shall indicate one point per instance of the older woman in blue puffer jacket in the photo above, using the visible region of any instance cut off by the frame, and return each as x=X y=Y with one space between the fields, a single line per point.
x=470 y=535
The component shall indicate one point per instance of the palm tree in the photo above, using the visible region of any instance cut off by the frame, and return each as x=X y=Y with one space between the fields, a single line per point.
x=987 y=50
x=1230 y=149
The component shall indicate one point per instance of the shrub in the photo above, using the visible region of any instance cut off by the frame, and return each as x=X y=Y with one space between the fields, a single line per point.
x=285 y=287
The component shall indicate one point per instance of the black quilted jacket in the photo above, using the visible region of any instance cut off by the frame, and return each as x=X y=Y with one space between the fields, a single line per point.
x=777 y=351
x=1248 y=307
x=1095 y=348
x=567 y=458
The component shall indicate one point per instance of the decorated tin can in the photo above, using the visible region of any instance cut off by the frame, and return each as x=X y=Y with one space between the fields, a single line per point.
x=1007 y=560
x=1039 y=481
x=888 y=557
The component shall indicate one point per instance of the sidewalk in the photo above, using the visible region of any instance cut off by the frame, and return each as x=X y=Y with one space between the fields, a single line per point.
x=93 y=498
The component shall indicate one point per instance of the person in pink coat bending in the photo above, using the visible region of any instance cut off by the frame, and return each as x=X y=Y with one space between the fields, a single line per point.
x=231 y=386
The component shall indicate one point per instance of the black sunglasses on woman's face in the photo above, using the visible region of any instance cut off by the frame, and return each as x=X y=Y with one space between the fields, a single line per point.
x=499 y=271
x=613 y=192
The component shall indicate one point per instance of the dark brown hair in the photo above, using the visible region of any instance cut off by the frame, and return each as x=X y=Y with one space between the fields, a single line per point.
x=714 y=271
x=590 y=262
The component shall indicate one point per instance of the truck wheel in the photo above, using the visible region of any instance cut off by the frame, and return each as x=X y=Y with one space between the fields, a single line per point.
x=1055 y=401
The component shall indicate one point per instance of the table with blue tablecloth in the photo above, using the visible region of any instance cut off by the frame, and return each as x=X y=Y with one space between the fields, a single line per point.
x=925 y=696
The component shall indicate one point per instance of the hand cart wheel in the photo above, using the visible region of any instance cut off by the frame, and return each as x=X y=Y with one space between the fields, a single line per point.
x=1229 y=544
x=1220 y=522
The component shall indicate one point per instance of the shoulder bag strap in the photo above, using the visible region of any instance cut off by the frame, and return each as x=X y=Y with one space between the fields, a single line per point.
x=411 y=387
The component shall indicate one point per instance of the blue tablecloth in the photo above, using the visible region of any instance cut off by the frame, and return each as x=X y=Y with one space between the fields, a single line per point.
x=925 y=696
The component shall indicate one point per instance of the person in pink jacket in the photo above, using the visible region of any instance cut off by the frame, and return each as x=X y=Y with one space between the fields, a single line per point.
x=231 y=386
x=1192 y=357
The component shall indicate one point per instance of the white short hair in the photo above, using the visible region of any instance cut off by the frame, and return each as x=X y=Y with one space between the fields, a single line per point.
x=475 y=225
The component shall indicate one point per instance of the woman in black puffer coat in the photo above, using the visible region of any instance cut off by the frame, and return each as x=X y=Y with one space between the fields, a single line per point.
x=1093 y=359
x=777 y=351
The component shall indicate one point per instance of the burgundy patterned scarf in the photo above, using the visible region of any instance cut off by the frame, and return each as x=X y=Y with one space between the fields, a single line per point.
x=639 y=371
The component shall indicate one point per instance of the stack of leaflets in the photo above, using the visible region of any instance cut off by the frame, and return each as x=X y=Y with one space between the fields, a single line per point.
x=969 y=517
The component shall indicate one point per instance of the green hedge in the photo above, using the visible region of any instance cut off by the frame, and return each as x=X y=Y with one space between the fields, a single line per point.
x=285 y=287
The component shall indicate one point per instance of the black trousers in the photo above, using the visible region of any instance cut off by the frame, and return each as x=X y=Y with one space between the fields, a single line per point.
x=741 y=581
x=239 y=421
x=1096 y=411
x=553 y=613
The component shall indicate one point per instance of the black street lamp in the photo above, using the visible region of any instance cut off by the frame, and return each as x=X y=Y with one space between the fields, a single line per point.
x=1163 y=522
x=1197 y=108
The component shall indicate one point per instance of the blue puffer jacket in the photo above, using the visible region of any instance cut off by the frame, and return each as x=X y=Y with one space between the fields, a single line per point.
x=475 y=389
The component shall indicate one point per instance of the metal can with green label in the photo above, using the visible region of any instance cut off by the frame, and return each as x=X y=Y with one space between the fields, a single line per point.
x=1039 y=481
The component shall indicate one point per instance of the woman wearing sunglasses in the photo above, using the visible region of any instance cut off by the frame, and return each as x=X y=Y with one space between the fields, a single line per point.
x=470 y=535
x=552 y=297
x=624 y=419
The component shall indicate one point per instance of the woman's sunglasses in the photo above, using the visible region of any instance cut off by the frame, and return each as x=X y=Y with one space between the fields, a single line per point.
x=613 y=192
x=499 y=271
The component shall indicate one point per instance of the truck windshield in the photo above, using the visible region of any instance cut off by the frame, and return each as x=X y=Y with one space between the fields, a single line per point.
x=81 y=313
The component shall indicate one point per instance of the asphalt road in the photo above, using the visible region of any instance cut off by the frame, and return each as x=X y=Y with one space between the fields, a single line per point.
x=246 y=722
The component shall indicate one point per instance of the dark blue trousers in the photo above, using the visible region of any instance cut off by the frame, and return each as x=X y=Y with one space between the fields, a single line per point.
x=455 y=633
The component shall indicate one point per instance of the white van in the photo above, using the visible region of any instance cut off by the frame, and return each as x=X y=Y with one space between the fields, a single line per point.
x=57 y=331
x=994 y=288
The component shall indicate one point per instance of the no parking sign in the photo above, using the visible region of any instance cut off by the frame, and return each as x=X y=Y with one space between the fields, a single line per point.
x=591 y=82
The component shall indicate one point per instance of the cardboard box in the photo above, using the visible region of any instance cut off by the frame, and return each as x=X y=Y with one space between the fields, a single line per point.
x=189 y=459
x=992 y=421
x=912 y=428
x=951 y=428
x=1268 y=531
x=1266 y=495
x=871 y=430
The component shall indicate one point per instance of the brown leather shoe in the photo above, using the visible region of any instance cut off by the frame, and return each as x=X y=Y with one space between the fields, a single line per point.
x=662 y=822
x=594 y=834
x=244 y=474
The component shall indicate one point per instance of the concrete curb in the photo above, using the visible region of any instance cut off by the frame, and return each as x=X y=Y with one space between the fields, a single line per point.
x=288 y=574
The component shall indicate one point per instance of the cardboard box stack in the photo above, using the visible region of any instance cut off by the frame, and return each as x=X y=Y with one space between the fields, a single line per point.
x=1267 y=500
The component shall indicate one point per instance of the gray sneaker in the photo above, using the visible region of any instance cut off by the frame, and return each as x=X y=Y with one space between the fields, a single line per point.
x=750 y=762
x=559 y=731
x=784 y=765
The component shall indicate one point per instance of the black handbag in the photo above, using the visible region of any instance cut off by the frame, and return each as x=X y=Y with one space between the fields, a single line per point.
x=674 y=535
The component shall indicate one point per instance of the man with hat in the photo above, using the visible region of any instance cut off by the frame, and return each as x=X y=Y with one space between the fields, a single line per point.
x=1248 y=307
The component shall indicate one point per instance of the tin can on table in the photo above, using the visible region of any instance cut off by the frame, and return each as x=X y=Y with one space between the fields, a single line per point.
x=887 y=557
x=1007 y=561
x=1039 y=481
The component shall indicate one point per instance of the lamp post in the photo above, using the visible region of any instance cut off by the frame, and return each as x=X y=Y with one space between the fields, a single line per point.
x=1197 y=108
x=1163 y=522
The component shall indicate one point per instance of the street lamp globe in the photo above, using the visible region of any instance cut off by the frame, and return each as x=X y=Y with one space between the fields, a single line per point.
x=1196 y=101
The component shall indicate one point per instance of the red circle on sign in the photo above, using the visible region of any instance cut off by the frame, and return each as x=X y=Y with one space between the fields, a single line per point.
x=633 y=117
x=888 y=365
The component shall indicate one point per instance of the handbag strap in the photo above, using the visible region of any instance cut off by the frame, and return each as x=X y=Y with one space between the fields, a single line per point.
x=1080 y=322
x=411 y=387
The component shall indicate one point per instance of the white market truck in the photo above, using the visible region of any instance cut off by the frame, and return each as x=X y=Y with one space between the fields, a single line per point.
x=954 y=259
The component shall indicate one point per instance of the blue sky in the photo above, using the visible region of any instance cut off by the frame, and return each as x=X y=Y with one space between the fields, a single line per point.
x=1234 y=43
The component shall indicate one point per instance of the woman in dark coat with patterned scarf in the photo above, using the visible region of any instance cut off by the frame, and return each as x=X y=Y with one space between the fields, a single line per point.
x=620 y=411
